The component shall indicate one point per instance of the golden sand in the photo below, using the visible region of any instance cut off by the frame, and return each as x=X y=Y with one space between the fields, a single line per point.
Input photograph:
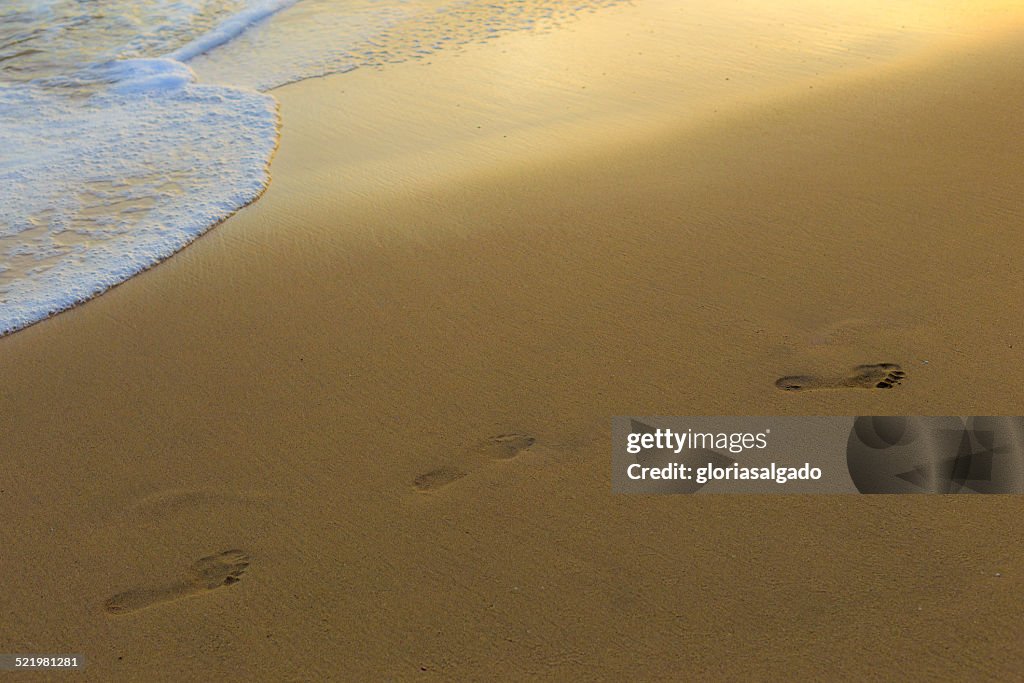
x=377 y=402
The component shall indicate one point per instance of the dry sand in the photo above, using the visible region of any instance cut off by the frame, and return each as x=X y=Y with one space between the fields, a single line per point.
x=377 y=402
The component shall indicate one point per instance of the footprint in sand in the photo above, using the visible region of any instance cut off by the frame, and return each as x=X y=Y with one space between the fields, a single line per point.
x=204 y=575
x=435 y=479
x=501 y=447
x=507 y=446
x=880 y=376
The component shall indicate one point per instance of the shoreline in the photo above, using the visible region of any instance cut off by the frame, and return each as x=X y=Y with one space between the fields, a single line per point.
x=390 y=400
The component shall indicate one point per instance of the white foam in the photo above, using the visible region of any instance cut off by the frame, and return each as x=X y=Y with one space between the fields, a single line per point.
x=95 y=192
x=230 y=28
x=146 y=75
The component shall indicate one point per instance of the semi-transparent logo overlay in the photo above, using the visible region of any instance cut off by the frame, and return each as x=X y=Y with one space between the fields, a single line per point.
x=818 y=454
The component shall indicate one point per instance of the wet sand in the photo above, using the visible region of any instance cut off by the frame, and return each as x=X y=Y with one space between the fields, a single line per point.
x=361 y=430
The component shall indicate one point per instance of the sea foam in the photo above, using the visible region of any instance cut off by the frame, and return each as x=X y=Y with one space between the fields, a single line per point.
x=111 y=165
x=112 y=185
